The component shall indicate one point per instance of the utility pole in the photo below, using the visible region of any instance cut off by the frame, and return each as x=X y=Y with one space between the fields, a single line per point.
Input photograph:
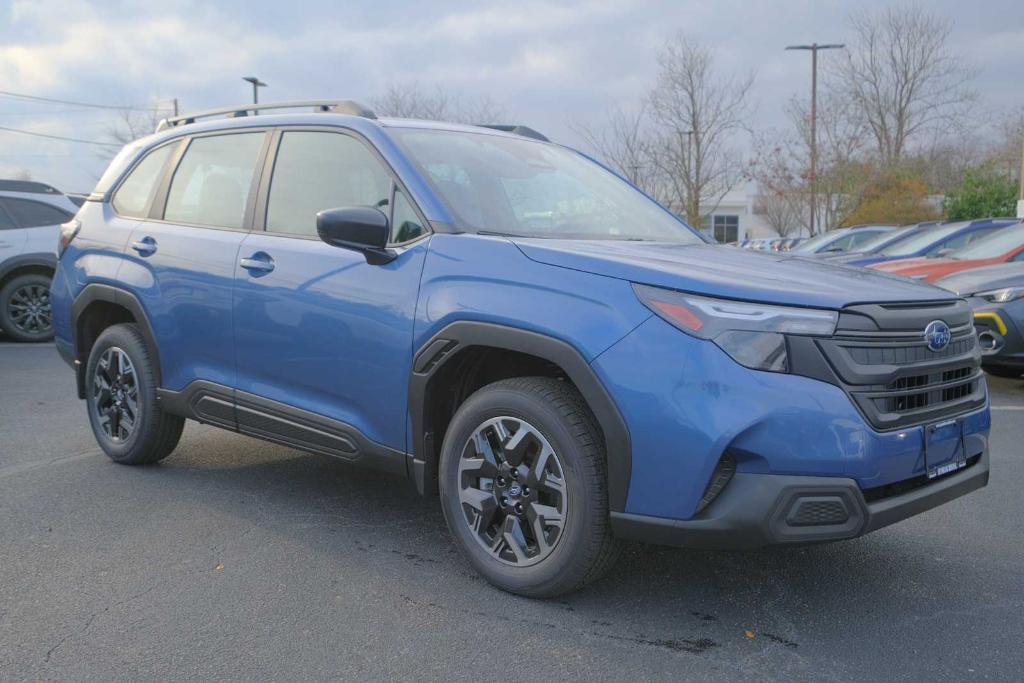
x=175 y=101
x=256 y=85
x=813 y=48
x=1020 y=197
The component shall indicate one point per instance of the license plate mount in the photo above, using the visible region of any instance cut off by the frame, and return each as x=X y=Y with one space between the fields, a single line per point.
x=944 y=448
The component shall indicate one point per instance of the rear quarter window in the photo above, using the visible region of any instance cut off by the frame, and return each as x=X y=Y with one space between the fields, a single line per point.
x=30 y=214
x=133 y=196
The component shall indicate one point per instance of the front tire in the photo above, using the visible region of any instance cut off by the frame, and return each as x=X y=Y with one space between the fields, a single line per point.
x=523 y=489
x=121 y=399
x=25 y=313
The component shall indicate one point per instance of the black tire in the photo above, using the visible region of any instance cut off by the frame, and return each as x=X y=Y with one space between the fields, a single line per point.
x=584 y=548
x=1004 y=371
x=25 y=313
x=154 y=433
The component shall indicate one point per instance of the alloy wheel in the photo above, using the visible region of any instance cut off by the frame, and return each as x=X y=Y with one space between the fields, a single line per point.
x=29 y=309
x=513 y=492
x=116 y=394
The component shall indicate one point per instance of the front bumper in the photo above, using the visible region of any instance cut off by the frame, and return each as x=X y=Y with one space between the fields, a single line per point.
x=757 y=510
x=1000 y=332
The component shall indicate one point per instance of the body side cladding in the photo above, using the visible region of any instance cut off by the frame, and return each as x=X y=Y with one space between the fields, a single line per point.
x=262 y=418
x=461 y=335
x=93 y=293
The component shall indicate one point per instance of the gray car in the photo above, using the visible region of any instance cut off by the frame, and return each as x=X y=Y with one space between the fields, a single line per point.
x=30 y=216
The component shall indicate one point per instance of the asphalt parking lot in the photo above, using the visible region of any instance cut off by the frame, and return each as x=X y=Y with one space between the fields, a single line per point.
x=235 y=559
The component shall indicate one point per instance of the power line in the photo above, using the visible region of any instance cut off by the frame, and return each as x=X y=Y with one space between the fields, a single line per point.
x=36 y=98
x=58 y=137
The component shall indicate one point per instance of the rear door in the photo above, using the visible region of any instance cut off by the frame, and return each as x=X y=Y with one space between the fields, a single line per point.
x=317 y=327
x=180 y=262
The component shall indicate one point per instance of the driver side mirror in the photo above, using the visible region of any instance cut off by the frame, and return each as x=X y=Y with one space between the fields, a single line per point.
x=362 y=228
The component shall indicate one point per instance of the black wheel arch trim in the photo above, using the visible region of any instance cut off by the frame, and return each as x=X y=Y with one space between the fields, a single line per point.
x=32 y=260
x=95 y=292
x=463 y=334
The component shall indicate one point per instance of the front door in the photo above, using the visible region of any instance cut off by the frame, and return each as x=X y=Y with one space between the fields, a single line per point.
x=323 y=337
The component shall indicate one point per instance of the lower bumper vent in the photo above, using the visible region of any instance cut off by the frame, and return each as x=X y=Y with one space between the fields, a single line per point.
x=722 y=475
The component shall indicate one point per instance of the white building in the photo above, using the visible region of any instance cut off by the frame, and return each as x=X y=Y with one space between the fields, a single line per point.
x=734 y=218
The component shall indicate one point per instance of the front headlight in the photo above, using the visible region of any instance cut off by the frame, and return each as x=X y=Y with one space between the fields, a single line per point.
x=752 y=334
x=1001 y=296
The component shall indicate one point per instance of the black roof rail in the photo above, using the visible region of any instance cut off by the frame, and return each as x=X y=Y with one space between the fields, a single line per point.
x=525 y=131
x=350 y=107
x=27 y=186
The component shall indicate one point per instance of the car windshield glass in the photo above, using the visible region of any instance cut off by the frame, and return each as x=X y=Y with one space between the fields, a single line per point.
x=812 y=245
x=527 y=188
x=921 y=242
x=994 y=245
x=885 y=239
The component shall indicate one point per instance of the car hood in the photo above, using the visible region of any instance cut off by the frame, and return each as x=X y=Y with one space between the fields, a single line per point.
x=985 y=278
x=730 y=272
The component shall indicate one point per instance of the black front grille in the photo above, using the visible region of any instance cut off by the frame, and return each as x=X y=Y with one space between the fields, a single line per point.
x=915 y=392
x=880 y=358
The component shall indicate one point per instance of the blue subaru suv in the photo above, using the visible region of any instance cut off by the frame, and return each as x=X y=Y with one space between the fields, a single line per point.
x=514 y=328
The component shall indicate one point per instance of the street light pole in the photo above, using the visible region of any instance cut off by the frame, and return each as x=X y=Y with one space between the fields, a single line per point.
x=256 y=85
x=1020 y=197
x=813 y=48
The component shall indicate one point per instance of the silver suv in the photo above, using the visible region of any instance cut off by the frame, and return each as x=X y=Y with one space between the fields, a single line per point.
x=30 y=216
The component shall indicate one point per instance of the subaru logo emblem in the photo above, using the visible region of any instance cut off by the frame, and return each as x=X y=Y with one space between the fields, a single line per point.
x=514 y=490
x=937 y=335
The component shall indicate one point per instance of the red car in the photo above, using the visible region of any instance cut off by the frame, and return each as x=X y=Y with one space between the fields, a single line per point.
x=1000 y=247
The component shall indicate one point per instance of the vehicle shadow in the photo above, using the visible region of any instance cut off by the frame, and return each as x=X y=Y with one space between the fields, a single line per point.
x=670 y=600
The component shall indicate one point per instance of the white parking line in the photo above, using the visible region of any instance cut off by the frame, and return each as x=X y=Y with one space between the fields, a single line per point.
x=1007 y=407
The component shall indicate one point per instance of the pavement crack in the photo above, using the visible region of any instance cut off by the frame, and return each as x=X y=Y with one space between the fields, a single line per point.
x=92 y=617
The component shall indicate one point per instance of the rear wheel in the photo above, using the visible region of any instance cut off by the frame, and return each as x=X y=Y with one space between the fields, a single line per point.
x=523 y=487
x=25 y=313
x=121 y=398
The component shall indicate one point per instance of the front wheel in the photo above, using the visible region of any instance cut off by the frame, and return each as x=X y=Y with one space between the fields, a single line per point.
x=523 y=488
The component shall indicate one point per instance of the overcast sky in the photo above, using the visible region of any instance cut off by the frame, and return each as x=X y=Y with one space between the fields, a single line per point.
x=547 y=64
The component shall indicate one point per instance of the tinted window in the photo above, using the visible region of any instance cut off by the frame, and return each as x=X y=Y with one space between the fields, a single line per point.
x=212 y=182
x=316 y=171
x=861 y=238
x=132 y=198
x=29 y=214
x=405 y=224
x=964 y=240
x=5 y=221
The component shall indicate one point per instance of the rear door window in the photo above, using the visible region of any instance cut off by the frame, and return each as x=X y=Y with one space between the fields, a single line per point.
x=29 y=214
x=6 y=223
x=212 y=183
x=133 y=197
x=314 y=171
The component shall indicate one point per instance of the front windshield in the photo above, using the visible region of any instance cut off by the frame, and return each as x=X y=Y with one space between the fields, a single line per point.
x=911 y=246
x=885 y=239
x=812 y=245
x=527 y=188
x=994 y=245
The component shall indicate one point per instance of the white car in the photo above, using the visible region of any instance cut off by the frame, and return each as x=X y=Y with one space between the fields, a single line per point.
x=30 y=216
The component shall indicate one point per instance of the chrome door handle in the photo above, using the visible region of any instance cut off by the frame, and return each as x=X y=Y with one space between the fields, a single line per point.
x=257 y=264
x=146 y=246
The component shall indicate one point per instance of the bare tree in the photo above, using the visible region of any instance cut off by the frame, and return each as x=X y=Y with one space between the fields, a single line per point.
x=22 y=174
x=413 y=101
x=780 y=211
x=901 y=77
x=781 y=160
x=623 y=140
x=696 y=113
x=132 y=123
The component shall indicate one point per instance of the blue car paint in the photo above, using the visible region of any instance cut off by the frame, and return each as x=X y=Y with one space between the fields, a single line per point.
x=332 y=334
x=688 y=402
